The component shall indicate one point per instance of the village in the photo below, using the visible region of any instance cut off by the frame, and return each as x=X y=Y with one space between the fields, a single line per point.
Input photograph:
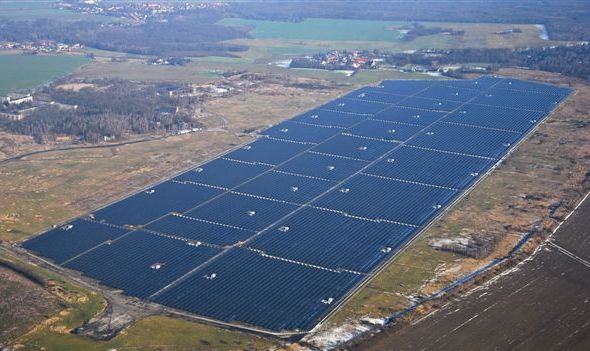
x=40 y=47
x=337 y=60
x=135 y=11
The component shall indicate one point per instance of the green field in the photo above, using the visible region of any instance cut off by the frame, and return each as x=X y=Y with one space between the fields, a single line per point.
x=20 y=72
x=320 y=29
x=274 y=40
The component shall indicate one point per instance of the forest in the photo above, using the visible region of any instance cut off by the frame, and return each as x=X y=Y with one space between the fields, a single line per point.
x=115 y=109
x=573 y=60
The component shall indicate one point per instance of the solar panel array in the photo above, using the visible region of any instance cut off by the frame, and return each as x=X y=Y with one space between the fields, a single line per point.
x=275 y=234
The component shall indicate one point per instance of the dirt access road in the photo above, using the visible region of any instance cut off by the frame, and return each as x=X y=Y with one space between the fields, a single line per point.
x=543 y=304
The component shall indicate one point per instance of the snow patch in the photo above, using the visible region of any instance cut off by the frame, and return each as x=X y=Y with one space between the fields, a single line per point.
x=329 y=339
x=282 y=63
x=543 y=33
x=374 y=321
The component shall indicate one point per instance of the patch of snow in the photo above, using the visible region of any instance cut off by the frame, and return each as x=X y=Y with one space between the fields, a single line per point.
x=346 y=72
x=373 y=321
x=282 y=63
x=543 y=33
x=329 y=339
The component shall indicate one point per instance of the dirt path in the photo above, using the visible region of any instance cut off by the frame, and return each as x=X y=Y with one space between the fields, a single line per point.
x=69 y=147
x=543 y=305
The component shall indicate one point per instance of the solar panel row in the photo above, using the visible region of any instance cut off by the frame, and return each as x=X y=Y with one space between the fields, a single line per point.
x=274 y=234
x=141 y=263
x=229 y=281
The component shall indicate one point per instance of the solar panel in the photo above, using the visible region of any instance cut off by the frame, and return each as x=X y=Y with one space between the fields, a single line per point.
x=524 y=100
x=410 y=115
x=355 y=147
x=355 y=106
x=323 y=166
x=495 y=117
x=405 y=87
x=286 y=187
x=71 y=239
x=383 y=131
x=439 y=92
x=375 y=95
x=141 y=263
x=430 y=104
x=244 y=286
x=480 y=83
x=377 y=198
x=155 y=202
x=328 y=118
x=533 y=87
x=247 y=212
x=466 y=140
x=199 y=230
x=430 y=167
x=268 y=151
x=272 y=235
x=332 y=240
x=301 y=132
x=223 y=172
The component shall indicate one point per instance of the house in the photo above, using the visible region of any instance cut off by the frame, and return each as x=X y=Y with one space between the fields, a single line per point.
x=11 y=116
x=16 y=99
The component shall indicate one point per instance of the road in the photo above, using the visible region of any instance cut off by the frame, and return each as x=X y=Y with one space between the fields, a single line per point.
x=543 y=304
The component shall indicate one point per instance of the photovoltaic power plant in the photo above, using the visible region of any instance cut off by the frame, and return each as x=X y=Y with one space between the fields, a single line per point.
x=278 y=233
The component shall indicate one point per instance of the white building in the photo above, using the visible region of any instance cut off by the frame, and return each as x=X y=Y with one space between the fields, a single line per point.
x=16 y=99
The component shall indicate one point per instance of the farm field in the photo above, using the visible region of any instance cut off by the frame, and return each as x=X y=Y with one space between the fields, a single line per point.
x=23 y=72
x=273 y=39
x=209 y=69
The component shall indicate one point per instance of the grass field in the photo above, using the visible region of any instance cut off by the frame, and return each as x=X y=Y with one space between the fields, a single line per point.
x=209 y=69
x=272 y=39
x=21 y=72
x=155 y=334
x=321 y=29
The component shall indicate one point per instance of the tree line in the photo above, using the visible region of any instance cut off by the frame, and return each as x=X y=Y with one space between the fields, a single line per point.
x=573 y=61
